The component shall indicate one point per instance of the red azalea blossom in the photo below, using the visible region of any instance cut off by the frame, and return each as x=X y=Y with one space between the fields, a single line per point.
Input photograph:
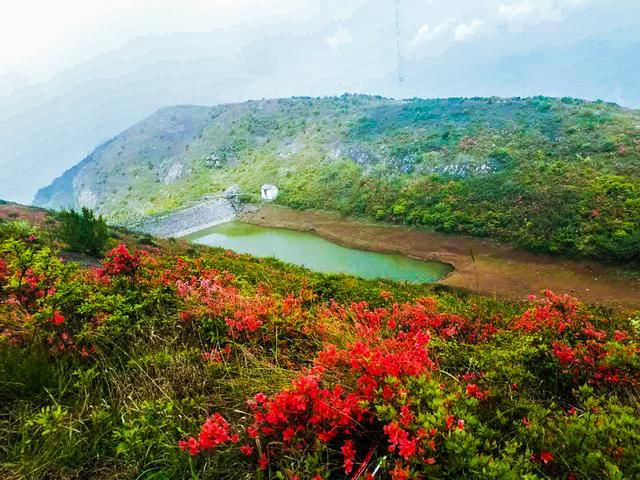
x=546 y=457
x=474 y=391
x=214 y=432
x=119 y=261
x=564 y=353
x=191 y=445
x=449 y=422
x=399 y=473
x=58 y=319
x=349 y=452
x=619 y=336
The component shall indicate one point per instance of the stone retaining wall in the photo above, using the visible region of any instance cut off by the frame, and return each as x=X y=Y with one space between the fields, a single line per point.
x=191 y=219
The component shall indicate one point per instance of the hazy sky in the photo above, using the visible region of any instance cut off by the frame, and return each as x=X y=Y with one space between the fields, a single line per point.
x=75 y=73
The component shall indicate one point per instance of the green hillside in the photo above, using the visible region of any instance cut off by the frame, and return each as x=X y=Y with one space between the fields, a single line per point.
x=551 y=175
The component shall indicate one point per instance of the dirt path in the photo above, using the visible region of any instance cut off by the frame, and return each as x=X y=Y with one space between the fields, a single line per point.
x=495 y=269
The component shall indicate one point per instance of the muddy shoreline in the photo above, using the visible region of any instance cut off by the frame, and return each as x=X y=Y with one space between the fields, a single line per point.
x=480 y=265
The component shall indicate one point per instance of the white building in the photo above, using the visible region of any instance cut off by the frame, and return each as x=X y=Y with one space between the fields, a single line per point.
x=268 y=192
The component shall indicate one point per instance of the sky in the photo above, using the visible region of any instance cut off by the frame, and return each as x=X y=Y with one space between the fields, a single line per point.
x=74 y=73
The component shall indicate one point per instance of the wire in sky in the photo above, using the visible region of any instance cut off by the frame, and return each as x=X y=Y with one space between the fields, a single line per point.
x=399 y=50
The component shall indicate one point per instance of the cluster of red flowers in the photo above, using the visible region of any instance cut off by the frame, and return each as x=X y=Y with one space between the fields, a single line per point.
x=32 y=286
x=213 y=295
x=338 y=399
x=357 y=399
x=4 y=273
x=584 y=353
x=543 y=457
x=476 y=392
x=33 y=299
x=214 y=432
x=58 y=318
x=119 y=261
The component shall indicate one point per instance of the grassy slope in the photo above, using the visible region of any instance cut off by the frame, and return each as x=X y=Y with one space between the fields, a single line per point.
x=555 y=175
x=120 y=411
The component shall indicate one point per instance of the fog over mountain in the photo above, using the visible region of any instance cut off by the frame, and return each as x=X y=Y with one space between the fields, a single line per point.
x=75 y=76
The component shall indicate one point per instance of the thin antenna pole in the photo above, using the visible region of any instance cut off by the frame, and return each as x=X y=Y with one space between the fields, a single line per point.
x=398 y=49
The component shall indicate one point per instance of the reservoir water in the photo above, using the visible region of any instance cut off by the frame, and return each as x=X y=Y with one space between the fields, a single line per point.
x=318 y=254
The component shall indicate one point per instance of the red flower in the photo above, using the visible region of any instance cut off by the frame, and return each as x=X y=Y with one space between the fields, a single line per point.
x=399 y=473
x=546 y=457
x=58 y=319
x=191 y=445
x=449 y=422
x=288 y=434
x=247 y=450
x=349 y=452
x=564 y=353
x=407 y=448
x=214 y=432
x=263 y=463
x=619 y=336
x=119 y=261
x=474 y=391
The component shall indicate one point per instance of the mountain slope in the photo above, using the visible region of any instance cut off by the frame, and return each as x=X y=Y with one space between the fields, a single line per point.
x=556 y=175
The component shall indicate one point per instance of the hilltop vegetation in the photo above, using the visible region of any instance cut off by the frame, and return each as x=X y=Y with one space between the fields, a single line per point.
x=171 y=360
x=550 y=175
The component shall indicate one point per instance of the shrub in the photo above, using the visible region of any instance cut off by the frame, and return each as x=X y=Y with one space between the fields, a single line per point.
x=82 y=231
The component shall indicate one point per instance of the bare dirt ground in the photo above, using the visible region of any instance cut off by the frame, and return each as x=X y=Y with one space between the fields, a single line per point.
x=481 y=265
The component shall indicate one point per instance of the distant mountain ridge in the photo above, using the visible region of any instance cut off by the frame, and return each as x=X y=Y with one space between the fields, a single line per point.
x=540 y=171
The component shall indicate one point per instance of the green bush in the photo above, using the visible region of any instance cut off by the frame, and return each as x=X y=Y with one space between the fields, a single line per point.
x=82 y=231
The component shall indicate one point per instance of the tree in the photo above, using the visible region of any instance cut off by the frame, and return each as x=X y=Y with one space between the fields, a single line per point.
x=82 y=231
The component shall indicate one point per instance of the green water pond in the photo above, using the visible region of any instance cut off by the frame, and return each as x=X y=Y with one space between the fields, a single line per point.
x=318 y=254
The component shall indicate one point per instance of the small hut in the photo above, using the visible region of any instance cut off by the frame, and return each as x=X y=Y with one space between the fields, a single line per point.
x=268 y=192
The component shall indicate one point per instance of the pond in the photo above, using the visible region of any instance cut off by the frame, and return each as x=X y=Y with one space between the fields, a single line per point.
x=318 y=254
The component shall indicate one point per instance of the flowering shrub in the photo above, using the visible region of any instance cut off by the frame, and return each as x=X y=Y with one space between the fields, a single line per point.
x=119 y=261
x=214 y=432
x=382 y=401
x=303 y=378
x=3 y=273
x=584 y=352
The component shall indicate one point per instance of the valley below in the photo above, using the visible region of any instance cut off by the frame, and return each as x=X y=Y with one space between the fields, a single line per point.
x=480 y=265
